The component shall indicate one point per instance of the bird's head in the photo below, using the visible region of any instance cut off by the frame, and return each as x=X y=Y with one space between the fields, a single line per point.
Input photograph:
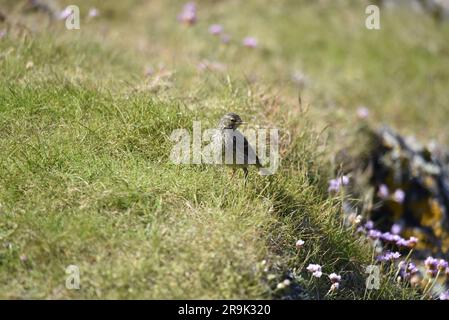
x=230 y=121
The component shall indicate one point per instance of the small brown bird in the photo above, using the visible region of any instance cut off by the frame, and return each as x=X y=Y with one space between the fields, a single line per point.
x=233 y=142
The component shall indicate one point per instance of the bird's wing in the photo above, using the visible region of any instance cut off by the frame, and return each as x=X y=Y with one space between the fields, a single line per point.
x=245 y=155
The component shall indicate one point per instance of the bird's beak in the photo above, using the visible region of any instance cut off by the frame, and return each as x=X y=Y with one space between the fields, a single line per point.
x=243 y=122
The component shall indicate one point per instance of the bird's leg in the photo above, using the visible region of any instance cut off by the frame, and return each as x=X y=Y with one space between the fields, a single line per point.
x=245 y=174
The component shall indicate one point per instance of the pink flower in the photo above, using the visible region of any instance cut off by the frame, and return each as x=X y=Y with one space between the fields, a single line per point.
x=444 y=295
x=362 y=112
x=396 y=229
x=188 y=18
x=188 y=14
x=374 y=234
x=412 y=242
x=315 y=269
x=395 y=255
x=389 y=256
x=299 y=244
x=431 y=266
x=2 y=33
x=250 y=42
x=401 y=242
x=442 y=265
x=383 y=192
x=334 y=278
x=388 y=237
x=215 y=29
x=64 y=14
x=345 y=180
x=93 y=12
x=336 y=184
x=369 y=225
x=190 y=6
x=406 y=271
x=412 y=268
x=399 y=196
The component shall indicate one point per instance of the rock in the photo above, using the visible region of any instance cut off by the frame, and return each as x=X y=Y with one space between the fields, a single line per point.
x=417 y=179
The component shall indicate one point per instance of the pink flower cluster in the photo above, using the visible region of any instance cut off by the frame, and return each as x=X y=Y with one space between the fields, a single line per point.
x=335 y=280
x=389 y=256
x=392 y=237
x=434 y=266
x=407 y=270
x=335 y=185
x=188 y=15
x=217 y=30
x=250 y=42
x=316 y=271
x=384 y=193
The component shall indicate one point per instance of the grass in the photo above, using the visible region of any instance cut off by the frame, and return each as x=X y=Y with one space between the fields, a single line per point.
x=85 y=177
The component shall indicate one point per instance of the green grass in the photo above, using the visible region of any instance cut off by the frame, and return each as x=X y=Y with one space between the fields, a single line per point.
x=85 y=176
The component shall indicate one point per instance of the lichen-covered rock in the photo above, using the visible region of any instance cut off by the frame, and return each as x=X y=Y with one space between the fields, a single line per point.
x=410 y=188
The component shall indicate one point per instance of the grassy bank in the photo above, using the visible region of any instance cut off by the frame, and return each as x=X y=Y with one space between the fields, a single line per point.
x=85 y=176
